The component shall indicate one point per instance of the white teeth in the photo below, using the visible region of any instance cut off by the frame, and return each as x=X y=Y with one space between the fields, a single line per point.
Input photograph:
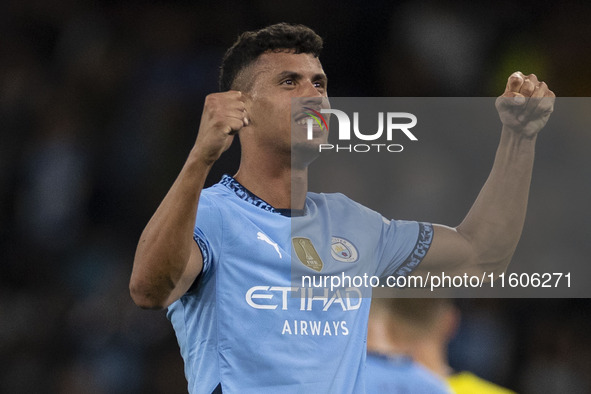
x=303 y=121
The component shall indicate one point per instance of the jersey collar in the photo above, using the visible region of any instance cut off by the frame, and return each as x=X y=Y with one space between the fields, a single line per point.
x=248 y=196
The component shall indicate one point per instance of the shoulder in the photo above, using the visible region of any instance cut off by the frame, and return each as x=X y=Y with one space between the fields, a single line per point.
x=401 y=372
x=338 y=201
x=214 y=207
x=216 y=190
x=340 y=207
x=331 y=197
x=215 y=197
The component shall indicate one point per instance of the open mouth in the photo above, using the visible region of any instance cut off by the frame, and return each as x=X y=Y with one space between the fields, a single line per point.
x=311 y=115
x=304 y=121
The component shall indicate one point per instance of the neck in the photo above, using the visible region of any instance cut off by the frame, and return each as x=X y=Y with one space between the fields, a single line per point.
x=426 y=351
x=282 y=186
x=431 y=355
x=378 y=337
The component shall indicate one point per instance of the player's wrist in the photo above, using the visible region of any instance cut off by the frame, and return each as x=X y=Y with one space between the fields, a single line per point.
x=517 y=141
x=520 y=133
x=202 y=158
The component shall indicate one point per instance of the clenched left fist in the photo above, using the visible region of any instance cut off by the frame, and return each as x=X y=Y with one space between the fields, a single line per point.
x=526 y=104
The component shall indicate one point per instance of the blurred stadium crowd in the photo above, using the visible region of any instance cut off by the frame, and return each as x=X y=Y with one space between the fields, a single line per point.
x=100 y=104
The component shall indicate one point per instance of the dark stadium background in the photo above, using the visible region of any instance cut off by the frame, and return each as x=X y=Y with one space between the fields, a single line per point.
x=100 y=104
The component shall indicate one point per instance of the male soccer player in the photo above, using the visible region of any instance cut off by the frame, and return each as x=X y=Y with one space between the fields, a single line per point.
x=421 y=329
x=390 y=366
x=220 y=258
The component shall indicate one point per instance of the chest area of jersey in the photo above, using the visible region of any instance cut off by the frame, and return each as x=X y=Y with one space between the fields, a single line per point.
x=317 y=247
x=296 y=269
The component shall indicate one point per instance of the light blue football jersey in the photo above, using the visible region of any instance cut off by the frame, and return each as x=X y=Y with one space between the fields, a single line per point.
x=248 y=323
x=400 y=375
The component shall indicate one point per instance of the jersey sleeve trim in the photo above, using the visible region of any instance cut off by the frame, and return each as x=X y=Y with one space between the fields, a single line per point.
x=207 y=253
x=199 y=238
x=424 y=240
x=203 y=247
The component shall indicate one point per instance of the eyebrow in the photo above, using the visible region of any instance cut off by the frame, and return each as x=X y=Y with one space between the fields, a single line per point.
x=297 y=76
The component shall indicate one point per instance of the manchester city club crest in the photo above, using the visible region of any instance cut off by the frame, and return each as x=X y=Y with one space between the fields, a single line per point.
x=307 y=253
x=343 y=250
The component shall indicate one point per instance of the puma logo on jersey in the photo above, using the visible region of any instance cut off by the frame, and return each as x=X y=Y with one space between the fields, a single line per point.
x=263 y=237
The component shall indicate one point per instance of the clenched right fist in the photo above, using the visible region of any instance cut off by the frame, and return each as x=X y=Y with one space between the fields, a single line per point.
x=224 y=114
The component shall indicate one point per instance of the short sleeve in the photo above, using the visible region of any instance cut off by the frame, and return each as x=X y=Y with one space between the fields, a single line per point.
x=403 y=245
x=203 y=245
x=208 y=230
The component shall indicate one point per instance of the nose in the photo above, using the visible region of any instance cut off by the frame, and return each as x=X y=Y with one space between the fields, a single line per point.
x=310 y=90
x=313 y=97
x=318 y=102
x=313 y=101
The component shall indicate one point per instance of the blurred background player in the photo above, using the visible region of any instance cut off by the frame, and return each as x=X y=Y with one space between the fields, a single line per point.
x=389 y=368
x=421 y=330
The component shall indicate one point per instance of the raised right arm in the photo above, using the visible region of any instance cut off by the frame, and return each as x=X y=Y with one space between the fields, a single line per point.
x=167 y=259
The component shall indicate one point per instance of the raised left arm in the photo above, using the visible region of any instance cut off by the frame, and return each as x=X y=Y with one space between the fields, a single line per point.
x=487 y=237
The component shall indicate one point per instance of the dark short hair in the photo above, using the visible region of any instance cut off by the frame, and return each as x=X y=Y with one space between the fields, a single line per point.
x=251 y=44
x=420 y=312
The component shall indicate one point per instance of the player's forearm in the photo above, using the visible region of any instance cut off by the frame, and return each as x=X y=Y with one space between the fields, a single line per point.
x=494 y=224
x=165 y=245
